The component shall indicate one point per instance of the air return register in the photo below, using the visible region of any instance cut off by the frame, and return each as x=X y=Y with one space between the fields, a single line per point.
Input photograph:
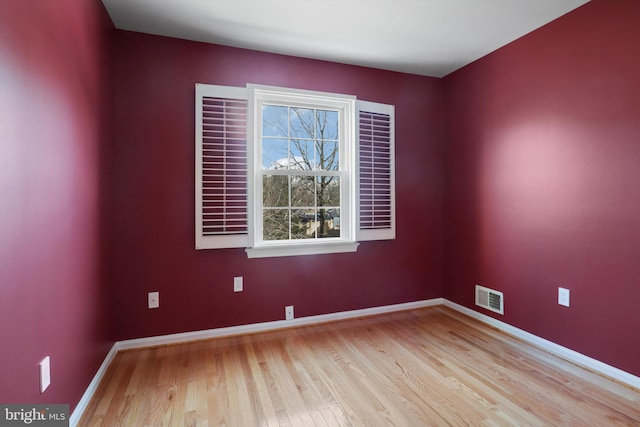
x=489 y=299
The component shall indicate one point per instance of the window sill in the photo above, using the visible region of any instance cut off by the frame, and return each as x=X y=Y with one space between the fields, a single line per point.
x=302 y=249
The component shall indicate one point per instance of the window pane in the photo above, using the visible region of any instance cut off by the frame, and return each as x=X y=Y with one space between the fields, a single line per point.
x=275 y=224
x=302 y=123
x=303 y=191
x=302 y=154
x=275 y=191
x=275 y=121
x=328 y=189
x=329 y=223
x=303 y=224
x=326 y=124
x=328 y=155
x=275 y=153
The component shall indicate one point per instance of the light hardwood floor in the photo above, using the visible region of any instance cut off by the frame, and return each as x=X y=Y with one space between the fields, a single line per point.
x=430 y=366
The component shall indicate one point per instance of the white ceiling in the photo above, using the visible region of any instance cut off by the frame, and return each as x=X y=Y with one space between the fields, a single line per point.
x=426 y=37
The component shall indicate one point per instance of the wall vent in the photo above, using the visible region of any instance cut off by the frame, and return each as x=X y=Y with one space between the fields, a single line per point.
x=489 y=299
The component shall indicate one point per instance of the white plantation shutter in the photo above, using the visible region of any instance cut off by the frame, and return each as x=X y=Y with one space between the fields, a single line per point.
x=221 y=167
x=376 y=174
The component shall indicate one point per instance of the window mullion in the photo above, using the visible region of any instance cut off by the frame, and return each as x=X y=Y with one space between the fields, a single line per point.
x=289 y=210
x=289 y=160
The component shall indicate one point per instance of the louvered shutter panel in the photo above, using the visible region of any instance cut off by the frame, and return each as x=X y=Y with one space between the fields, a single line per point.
x=376 y=176
x=221 y=167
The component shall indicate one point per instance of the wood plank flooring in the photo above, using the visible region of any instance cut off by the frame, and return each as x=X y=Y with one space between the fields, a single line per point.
x=430 y=366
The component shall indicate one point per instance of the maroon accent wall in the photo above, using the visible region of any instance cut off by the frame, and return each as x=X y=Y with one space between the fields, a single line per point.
x=543 y=181
x=154 y=195
x=53 y=89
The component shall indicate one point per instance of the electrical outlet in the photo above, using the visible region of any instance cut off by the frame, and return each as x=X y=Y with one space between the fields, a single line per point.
x=45 y=374
x=563 y=297
x=288 y=312
x=237 y=284
x=154 y=299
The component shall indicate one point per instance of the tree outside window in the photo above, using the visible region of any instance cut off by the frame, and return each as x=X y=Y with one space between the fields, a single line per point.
x=301 y=173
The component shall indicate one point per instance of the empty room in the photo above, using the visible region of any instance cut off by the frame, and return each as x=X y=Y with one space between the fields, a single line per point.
x=319 y=212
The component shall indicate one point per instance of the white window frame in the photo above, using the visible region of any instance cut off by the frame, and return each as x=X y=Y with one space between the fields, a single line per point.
x=225 y=139
x=345 y=104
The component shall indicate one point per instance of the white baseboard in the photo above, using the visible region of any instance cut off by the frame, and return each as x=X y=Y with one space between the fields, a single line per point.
x=564 y=352
x=269 y=326
x=93 y=386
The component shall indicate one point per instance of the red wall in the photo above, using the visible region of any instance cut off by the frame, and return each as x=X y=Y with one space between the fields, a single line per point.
x=538 y=184
x=543 y=181
x=154 y=195
x=53 y=87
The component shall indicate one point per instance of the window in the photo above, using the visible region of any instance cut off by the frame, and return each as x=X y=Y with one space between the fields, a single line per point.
x=290 y=172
